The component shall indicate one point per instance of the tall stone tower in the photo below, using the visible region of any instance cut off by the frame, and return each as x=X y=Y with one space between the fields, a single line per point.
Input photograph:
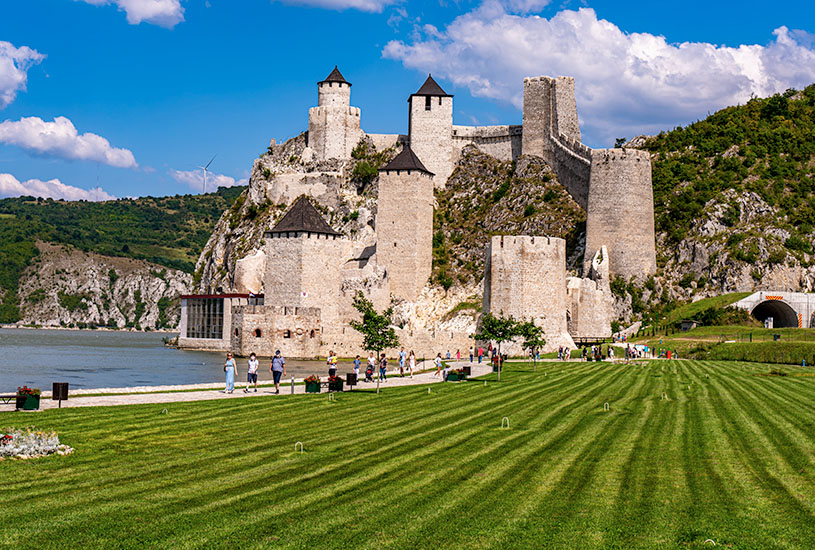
x=525 y=277
x=612 y=185
x=404 y=224
x=430 y=128
x=302 y=255
x=333 y=126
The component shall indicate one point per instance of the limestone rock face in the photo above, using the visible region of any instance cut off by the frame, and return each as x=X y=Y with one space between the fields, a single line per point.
x=249 y=273
x=67 y=287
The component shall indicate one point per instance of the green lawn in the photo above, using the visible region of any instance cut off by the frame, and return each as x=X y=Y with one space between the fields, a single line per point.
x=730 y=459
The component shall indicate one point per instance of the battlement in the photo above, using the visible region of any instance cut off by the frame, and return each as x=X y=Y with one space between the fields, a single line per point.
x=277 y=310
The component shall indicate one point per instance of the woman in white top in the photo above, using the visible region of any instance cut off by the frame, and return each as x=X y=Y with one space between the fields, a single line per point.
x=438 y=365
x=411 y=363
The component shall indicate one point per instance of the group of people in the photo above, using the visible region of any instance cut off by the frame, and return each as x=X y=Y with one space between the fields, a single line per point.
x=277 y=366
x=564 y=353
x=407 y=363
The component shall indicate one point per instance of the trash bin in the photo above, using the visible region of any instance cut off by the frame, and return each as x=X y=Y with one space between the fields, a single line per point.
x=351 y=379
x=59 y=392
x=776 y=337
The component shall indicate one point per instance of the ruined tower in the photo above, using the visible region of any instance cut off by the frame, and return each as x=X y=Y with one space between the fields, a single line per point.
x=404 y=224
x=430 y=129
x=612 y=185
x=333 y=126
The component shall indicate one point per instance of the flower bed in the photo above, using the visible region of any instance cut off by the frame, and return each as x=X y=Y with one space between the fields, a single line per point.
x=30 y=443
x=312 y=384
x=335 y=383
x=28 y=399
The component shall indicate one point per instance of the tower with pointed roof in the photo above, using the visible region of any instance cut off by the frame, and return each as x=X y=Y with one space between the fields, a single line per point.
x=404 y=224
x=333 y=126
x=302 y=256
x=430 y=129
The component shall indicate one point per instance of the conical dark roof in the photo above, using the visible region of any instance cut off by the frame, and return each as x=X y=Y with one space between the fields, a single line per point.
x=302 y=216
x=432 y=88
x=406 y=160
x=336 y=76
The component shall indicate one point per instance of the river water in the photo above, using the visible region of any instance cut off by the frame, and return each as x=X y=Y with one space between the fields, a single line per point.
x=114 y=359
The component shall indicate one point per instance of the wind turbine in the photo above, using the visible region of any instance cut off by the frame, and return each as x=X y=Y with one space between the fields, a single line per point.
x=206 y=169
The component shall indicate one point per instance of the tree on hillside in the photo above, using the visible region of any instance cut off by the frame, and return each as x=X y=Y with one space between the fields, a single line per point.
x=497 y=329
x=375 y=328
x=533 y=338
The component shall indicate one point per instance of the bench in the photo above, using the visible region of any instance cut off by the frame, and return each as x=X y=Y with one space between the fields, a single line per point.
x=7 y=398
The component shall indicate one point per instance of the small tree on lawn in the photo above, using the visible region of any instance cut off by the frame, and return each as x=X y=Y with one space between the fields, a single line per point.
x=377 y=332
x=497 y=329
x=533 y=338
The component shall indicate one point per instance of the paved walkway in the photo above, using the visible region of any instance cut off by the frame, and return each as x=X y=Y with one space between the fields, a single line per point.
x=203 y=392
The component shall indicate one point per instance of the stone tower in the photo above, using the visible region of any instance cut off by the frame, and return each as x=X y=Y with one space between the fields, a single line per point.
x=612 y=185
x=302 y=255
x=333 y=126
x=404 y=224
x=430 y=129
x=525 y=277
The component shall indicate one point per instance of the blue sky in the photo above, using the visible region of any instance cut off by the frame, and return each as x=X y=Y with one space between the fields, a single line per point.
x=132 y=95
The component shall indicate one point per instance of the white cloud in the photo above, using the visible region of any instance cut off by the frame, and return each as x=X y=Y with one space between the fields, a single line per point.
x=195 y=179
x=526 y=6
x=626 y=84
x=14 y=65
x=55 y=189
x=362 y=5
x=164 y=13
x=61 y=139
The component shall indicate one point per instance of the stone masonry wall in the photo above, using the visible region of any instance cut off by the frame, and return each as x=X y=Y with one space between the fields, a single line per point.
x=295 y=331
x=333 y=131
x=404 y=228
x=620 y=212
x=525 y=277
x=502 y=142
x=430 y=135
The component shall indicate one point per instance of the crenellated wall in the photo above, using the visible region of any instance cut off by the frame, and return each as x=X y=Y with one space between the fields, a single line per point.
x=502 y=142
x=613 y=185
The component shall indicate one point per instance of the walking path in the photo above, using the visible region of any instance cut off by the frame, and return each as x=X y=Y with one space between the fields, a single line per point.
x=203 y=392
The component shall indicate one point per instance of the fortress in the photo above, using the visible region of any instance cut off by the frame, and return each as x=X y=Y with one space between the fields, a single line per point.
x=308 y=273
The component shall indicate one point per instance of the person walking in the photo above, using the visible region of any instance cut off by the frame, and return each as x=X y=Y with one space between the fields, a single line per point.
x=411 y=363
x=252 y=375
x=480 y=354
x=458 y=355
x=402 y=357
x=383 y=367
x=332 y=364
x=438 y=362
x=471 y=354
x=278 y=369
x=371 y=367
x=357 y=363
x=230 y=368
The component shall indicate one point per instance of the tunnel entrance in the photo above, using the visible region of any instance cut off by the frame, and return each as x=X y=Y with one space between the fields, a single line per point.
x=782 y=313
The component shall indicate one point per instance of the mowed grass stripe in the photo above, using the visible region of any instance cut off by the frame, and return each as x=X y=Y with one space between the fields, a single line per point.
x=410 y=470
x=746 y=448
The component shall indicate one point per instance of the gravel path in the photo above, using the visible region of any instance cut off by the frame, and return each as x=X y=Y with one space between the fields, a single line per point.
x=203 y=392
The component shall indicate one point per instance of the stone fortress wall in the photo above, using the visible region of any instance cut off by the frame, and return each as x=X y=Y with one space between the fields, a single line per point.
x=613 y=185
x=502 y=142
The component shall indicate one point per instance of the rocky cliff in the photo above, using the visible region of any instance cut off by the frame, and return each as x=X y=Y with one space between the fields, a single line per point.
x=65 y=287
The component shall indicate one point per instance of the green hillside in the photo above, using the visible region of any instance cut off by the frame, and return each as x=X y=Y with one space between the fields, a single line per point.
x=766 y=146
x=169 y=231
